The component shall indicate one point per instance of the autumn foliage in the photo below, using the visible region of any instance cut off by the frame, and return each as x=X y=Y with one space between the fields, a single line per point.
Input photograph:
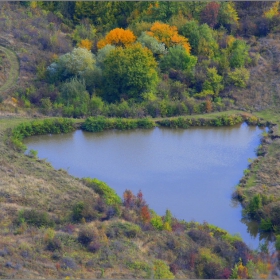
x=117 y=37
x=86 y=44
x=210 y=14
x=168 y=35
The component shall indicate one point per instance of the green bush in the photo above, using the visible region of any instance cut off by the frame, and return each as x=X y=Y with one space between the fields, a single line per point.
x=239 y=77
x=266 y=225
x=157 y=222
x=161 y=270
x=100 y=123
x=109 y=195
x=77 y=211
x=35 y=218
x=123 y=229
x=254 y=205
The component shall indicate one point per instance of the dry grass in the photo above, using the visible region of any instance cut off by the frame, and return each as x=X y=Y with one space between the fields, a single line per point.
x=13 y=71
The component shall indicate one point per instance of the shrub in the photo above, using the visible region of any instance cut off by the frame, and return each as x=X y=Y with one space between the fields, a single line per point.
x=212 y=270
x=162 y=271
x=35 y=218
x=239 y=77
x=77 y=211
x=123 y=229
x=94 y=246
x=266 y=225
x=86 y=236
x=54 y=245
x=200 y=237
x=157 y=222
x=32 y=153
x=68 y=263
x=254 y=205
x=109 y=195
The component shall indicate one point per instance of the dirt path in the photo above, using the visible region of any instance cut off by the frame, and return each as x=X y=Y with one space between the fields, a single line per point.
x=14 y=70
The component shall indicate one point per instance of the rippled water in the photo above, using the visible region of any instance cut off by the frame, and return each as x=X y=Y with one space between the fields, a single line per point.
x=192 y=172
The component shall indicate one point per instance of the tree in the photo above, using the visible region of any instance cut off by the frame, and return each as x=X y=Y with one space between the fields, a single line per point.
x=228 y=16
x=201 y=38
x=178 y=58
x=83 y=31
x=213 y=82
x=75 y=63
x=168 y=35
x=145 y=214
x=74 y=95
x=239 y=54
x=239 y=77
x=86 y=44
x=129 y=72
x=210 y=13
x=117 y=37
x=273 y=11
x=152 y=44
x=104 y=15
x=103 y=53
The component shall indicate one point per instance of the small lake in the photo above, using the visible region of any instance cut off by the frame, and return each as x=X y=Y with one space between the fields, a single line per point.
x=192 y=172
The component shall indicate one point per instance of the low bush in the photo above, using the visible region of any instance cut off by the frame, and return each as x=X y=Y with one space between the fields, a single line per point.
x=200 y=237
x=96 y=124
x=109 y=195
x=86 y=236
x=35 y=218
x=126 y=229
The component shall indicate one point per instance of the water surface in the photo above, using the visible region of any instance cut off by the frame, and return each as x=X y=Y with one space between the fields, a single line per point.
x=192 y=172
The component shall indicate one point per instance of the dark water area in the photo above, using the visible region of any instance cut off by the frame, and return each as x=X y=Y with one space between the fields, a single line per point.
x=192 y=172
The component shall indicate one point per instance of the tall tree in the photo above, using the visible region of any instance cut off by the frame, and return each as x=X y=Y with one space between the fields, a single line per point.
x=168 y=35
x=210 y=13
x=129 y=72
x=117 y=37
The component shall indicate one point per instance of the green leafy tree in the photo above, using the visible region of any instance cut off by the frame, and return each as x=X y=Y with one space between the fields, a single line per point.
x=129 y=72
x=213 y=82
x=239 y=54
x=73 y=94
x=104 y=15
x=157 y=222
x=239 y=77
x=228 y=16
x=83 y=31
x=177 y=58
x=201 y=38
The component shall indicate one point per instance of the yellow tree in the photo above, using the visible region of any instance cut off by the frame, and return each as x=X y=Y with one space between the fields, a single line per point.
x=168 y=35
x=86 y=44
x=117 y=37
x=273 y=11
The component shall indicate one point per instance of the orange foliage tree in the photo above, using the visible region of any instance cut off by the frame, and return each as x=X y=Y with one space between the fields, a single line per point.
x=168 y=35
x=117 y=37
x=86 y=44
x=145 y=214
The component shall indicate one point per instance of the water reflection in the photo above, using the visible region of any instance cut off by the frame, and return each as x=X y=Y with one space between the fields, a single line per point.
x=192 y=172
